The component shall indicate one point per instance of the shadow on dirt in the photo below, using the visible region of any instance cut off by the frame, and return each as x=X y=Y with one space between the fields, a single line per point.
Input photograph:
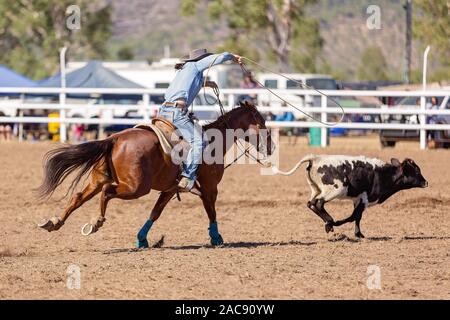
x=341 y=237
x=380 y=238
x=232 y=245
x=426 y=238
x=237 y=245
x=245 y=245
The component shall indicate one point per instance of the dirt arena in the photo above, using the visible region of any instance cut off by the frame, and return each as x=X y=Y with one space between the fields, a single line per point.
x=275 y=247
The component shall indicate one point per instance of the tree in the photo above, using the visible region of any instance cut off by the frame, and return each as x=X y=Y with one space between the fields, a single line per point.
x=307 y=45
x=32 y=31
x=432 y=26
x=373 y=65
x=280 y=24
x=125 y=53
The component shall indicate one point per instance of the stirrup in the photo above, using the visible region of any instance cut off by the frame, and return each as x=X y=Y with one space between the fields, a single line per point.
x=185 y=184
x=194 y=189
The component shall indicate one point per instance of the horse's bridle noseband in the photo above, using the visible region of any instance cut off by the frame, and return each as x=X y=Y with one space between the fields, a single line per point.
x=246 y=150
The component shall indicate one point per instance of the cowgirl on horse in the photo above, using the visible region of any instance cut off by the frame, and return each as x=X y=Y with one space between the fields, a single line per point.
x=180 y=95
x=130 y=163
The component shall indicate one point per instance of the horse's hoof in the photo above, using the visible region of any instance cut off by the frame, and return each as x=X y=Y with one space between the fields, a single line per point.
x=359 y=234
x=93 y=226
x=329 y=227
x=88 y=229
x=52 y=224
x=217 y=241
x=142 y=244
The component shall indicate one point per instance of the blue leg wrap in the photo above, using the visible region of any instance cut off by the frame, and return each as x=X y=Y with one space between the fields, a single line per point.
x=142 y=235
x=216 y=238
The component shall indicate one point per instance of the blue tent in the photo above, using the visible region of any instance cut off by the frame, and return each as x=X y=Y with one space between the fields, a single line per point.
x=93 y=75
x=10 y=79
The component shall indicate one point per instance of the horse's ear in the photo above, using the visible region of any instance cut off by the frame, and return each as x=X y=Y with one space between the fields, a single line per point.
x=249 y=105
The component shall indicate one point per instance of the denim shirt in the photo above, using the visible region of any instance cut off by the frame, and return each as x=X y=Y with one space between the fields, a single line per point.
x=189 y=80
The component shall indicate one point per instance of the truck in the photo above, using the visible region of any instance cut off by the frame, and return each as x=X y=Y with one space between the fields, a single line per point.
x=388 y=138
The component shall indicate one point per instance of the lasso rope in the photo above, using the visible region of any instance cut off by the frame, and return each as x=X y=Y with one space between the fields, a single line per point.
x=303 y=85
x=240 y=146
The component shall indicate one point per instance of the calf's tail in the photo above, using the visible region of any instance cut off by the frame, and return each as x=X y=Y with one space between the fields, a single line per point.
x=308 y=158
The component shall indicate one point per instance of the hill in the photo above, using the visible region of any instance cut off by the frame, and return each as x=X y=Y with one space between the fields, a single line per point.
x=147 y=26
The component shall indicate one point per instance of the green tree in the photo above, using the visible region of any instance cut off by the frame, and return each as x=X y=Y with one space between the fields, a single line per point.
x=373 y=65
x=432 y=26
x=32 y=31
x=307 y=45
x=125 y=53
x=281 y=26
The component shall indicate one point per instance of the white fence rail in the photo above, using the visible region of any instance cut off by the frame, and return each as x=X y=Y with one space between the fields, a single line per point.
x=147 y=109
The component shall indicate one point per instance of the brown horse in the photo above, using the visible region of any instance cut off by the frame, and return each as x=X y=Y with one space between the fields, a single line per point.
x=128 y=164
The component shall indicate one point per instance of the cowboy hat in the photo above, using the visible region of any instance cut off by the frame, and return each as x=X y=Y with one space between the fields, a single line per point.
x=196 y=55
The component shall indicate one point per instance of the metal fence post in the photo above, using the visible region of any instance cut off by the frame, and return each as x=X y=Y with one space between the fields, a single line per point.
x=62 y=117
x=323 y=118
x=62 y=96
x=231 y=101
x=145 y=104
x=423 y=132
x=21 y=126
x=422 y=117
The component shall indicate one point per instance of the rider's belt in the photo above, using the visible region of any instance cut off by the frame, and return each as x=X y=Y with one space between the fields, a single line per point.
x=177 y=104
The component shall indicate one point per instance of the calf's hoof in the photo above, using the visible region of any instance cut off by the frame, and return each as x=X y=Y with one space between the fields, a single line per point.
x=51 y=224
x=217 y=241
x=329 y=227
x=359 y=234
x=142 y=244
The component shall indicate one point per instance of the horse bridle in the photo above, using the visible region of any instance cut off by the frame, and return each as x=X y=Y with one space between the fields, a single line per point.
x=244 y=151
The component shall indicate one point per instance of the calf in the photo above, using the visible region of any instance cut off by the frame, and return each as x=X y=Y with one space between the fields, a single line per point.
x=364 y=180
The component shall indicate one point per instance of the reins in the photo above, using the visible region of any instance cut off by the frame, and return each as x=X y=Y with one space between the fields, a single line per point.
x=237 y=142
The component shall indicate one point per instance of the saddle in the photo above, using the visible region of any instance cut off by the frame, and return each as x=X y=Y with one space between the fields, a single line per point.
x=164 y=130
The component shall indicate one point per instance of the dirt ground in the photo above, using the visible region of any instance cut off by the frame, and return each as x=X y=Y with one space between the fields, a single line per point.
x=275 y=247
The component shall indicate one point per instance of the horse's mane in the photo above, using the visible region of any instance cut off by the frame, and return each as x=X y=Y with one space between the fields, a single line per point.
x=220 y=121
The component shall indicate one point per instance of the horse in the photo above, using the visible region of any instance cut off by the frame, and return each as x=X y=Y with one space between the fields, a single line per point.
x=129 y=164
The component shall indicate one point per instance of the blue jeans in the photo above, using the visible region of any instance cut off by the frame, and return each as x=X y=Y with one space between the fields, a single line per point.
x=191 y=132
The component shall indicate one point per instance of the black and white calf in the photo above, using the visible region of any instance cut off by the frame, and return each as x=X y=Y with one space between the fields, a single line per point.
x=366 y=181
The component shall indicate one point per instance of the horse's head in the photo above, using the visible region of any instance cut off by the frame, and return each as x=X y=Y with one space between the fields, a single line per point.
x=252 y=122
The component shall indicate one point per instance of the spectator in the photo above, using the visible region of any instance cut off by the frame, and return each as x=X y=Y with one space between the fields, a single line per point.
x=432 y=119
x=92 y=130
x=5 y=129
x=432 y=105
x=77 y=132
x=289 y=131
x=249 y=83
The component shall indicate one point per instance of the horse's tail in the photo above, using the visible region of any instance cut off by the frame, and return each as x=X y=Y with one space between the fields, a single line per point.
x=308 y=158
x=62 y=161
